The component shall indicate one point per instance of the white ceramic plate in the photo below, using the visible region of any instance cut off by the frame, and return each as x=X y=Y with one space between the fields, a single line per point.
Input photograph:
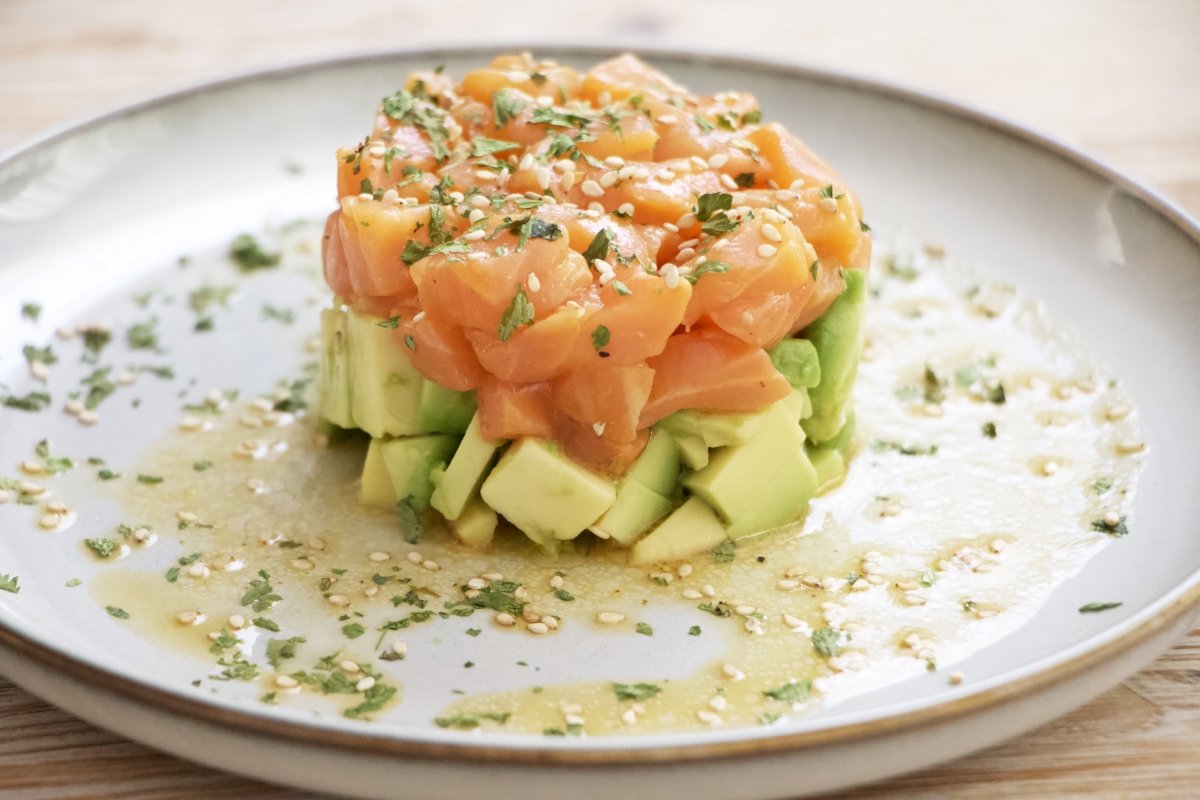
x=91 y=214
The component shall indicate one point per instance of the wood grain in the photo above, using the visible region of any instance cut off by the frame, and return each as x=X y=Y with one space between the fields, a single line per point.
x=1115 y=78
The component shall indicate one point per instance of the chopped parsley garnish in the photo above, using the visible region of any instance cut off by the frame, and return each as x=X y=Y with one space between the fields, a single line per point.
x=826 y=641
x=260 y=595
x=518 y=313
x=249 y=255
x=468 y=721
x=117 y=611
x=505 y=106
x=101 y=546
x=99 y=387
x=744 y=179
x=483 y=146
x=601 y=337
x=598 y=249
x=635 y=691
x=1102 y=485
x=285 y=315
x=723 y=553
x=694 y=630
x=564 y=595
x=881 y=445
x=711 y=203
x=151 y=479
x=374 y=699
x=94 y=341
x=718 y=609
x=390 y=322
x=353 y=630
x=558 y=119
x=280 y=649
x=1092 y=608
x=408 y=108
x=34 y=401
x=473 y=632
x=794 y=692
x=644 y=629
x=410 y=521
x=498 y=596
x=31 y=311
x=752 y=117
x=1118 y=528
x=143 y=335
x=202 y=466
x=10 y=583
x=705 y=125
x=989 y=430
x=715 y=267
x=39 y=355
x=266 y=624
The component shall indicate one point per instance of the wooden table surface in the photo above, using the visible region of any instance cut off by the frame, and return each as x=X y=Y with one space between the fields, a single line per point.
x=1117 y=78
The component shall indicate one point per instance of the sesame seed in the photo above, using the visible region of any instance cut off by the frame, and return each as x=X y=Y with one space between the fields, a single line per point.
x=303 y=564
x=767 y=250
x=414 y=557
x=608 y=180
x=598 y=427
x=431 y=565
x=828 y=205
x=538 y=628
x=704 y=715
x=479 y=201
x=364 y=684
x=684 y=570
x=1112 y=519
x=491 y=576
x=366 y=196
x=5 y=496
x=1129 y=447
x=626 y=208
x=998 y=545
x=890 y=510
x=771 y=233
x=591 y=188
x=718 y=160
x=198 y=569
x=1050 y=468
x=792 y=622
x=744 y=611
x=956 y=678
x=550 y=622
x=286 y=682
x=542 y=176
x=1116 y=412
x=732 y=673
x=379 y=555
x=349 y=666
x=671 y=276
x=728 y=182
x=667 y=119
x=718 y=702
x=556 y=582
x=190 y=617
x=400 y=648
x=685 y=254
x=708 y=590
x=595 y=210
x=914 y=600
x=339 y=600
x=629 y=716
x=89 y=417
x=506 y=619
x=787 y=585
x=610 y=617
x=533 y=282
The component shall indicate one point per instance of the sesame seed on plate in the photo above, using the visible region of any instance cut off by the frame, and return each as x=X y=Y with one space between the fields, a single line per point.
x=767 y=250
x=591 y=188
x=610 y=617
x=771 y=233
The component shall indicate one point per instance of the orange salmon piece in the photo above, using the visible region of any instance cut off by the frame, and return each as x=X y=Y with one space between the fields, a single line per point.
x=608 y=397
x=709 y=370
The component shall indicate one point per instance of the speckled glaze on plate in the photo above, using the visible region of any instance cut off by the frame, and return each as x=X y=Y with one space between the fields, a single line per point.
x=100 y=209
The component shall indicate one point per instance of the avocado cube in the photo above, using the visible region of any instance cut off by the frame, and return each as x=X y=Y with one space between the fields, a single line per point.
x=796 y=360
x=657 y=468
x=717 y=430
x=460 y=481
x=838 y=338
x=408 y=463
x=476 y=525
x=445 y=410
x=545 y=494
x=637 y=507
x=830 y=459
x=385 y=388
x=762 y=484
x=692 y=528
x=693 y=450
x=376 y=490
x=334 y=385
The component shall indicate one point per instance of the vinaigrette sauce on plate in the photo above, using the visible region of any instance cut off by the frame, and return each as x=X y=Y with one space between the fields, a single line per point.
x=993 y=458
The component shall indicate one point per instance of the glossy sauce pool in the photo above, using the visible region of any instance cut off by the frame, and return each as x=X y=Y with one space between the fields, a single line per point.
x=993 y=458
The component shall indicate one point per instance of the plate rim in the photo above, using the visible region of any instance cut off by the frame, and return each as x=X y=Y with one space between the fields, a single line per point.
x=1038 y=676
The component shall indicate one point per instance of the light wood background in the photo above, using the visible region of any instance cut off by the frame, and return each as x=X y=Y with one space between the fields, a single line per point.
x=1119 y=78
